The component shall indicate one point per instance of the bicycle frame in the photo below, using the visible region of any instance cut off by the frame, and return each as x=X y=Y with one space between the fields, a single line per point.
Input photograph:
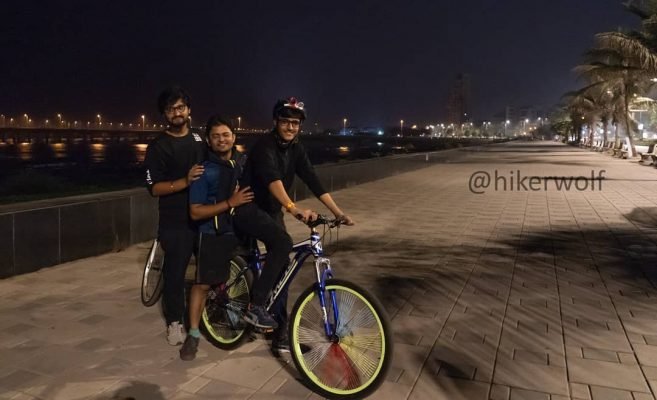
x=302 y=250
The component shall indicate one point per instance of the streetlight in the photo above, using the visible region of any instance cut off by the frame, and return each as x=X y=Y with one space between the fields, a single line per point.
x=344 y=126
x=143 y=122
x=26 y=119
x=506 y=123
x=100 y=121
x=46 y=122
x=401 y=127
x=59 y=116
x=239 y=123
x=3 y=119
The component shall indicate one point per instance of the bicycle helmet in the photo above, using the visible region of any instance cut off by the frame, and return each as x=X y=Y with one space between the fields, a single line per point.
x=289 y=108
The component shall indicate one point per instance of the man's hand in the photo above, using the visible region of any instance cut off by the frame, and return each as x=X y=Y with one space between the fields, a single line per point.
x=194 y=173
x=345 y=220
x=304 y=215
x=241 y=196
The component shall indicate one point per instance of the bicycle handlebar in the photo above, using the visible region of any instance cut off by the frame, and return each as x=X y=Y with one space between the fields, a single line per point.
x=323 y=220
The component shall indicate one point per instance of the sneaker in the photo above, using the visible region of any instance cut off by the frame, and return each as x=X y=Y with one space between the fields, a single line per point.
x=260 y=318
x=189 y=348
x=175 y=333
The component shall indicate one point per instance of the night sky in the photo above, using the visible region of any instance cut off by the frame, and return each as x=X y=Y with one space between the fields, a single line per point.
x=373 y=62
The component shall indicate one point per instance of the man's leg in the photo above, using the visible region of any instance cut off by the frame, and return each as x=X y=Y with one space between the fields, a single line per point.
x=196 y=304
x=255 y=222
x=178 y=246
x=280 y=342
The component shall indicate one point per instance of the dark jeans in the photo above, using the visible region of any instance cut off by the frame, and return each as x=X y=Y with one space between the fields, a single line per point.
x=178 y=245
x=253 y=221
x=279 y=309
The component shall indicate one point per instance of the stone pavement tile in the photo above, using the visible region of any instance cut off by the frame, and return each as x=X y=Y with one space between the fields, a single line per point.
x=646 y=354
x=409 y=360
x=387 y=391
x=413 y=330
x=642 y=396
x=17 y=356
x=80 y=385
x=183 y=395
x=136 y=389
x=627 y=358
x=499 y=392
x=21 y=381
x=445 y=388
x=248 y=371
x=549 y=343
x=22 y=396
x=115 y=367
x=530 y=356
x=640 y=325
x=601 y=355
x=580 y=391
x=523 y=394
x=604 y=393
x=649 y=372
x=543 y=378
x=292 y=388
x=601 y=373
x=62 y=359
x=597 y=338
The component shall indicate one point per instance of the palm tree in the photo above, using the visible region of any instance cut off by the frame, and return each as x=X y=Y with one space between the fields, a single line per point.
x=623 y=67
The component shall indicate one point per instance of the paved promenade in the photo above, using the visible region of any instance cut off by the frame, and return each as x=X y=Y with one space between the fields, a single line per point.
x=505 y=295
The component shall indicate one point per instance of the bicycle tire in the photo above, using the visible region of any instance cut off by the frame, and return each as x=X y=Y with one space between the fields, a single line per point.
x=352 y=365
x=223 y=326
x=151 y=280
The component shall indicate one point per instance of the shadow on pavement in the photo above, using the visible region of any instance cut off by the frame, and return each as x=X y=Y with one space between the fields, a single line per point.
x=136 y=390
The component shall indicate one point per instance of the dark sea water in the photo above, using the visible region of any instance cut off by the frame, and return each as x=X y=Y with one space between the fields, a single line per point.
x=43 y=164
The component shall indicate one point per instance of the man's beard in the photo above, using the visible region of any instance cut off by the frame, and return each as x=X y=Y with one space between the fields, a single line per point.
x=178 y=122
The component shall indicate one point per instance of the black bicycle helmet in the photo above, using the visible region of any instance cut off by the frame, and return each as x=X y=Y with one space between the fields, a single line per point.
x=289 y=108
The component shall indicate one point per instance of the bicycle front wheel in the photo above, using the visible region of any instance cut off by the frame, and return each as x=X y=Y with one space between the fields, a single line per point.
x=352 y=363
x=151 y=281
x=225 y=306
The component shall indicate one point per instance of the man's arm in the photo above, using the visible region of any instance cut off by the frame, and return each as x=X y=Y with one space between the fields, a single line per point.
x=198 y=211
x=306 y=172
x=178 y=185
x=158 y=185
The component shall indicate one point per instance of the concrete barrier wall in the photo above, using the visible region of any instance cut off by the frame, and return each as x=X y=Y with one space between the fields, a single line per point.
x=49 y=232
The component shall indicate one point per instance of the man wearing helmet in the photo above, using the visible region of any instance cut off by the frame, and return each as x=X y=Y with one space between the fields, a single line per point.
x=273 y=162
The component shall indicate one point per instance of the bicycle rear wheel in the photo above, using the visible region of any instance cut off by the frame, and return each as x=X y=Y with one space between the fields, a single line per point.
x=354 y=362
x=224 y=308
x=151 y=281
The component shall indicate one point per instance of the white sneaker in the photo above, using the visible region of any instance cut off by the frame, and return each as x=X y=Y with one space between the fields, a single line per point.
x=176 y=333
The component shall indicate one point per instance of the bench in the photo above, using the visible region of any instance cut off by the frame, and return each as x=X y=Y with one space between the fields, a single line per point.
x=616 y=149
x=646 y=157
x=628 y=150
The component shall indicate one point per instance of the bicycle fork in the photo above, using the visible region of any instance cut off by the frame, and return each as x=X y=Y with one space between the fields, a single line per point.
x=324 y=272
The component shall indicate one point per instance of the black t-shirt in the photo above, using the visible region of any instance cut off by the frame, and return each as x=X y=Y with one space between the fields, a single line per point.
x=269 y=162
x=169 y=158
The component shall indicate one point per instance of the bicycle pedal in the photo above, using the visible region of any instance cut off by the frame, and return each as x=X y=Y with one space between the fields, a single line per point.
x=263 y=330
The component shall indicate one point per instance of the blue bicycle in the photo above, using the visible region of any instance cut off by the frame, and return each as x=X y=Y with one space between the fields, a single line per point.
x=340 y=337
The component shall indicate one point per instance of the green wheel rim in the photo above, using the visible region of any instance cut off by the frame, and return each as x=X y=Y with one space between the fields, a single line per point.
x=353 y=347
x=237 y=296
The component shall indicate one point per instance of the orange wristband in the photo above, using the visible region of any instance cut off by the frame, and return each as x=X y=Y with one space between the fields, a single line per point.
x=289 y=206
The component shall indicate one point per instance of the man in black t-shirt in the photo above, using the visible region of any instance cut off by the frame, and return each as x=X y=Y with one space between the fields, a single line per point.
x=172 y=163
x=273 y=162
